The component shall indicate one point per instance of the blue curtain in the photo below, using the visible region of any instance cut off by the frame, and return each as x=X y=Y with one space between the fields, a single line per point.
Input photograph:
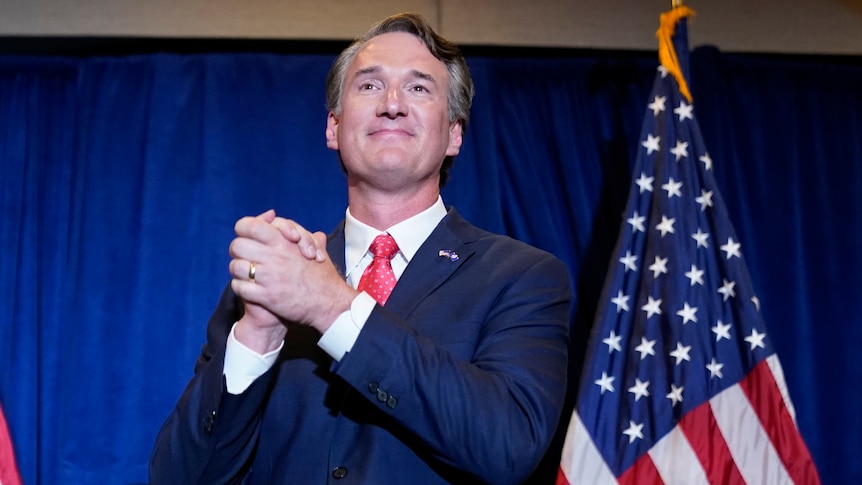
x=121 y=179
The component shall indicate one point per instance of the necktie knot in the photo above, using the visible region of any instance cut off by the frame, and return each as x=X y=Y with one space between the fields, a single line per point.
x=378 y=280
x=383 y=246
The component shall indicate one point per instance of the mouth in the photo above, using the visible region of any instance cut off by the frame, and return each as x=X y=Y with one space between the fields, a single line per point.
x=385 y=132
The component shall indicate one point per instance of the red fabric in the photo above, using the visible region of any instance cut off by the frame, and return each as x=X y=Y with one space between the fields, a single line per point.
x=707 y=442
x=8 y=470
x=643 y=472
x=765 y=396
x=378 y=280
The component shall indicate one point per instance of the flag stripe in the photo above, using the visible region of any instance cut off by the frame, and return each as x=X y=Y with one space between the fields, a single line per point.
x=778 y=375
x=761 y=389
x=581 y=462
x=8 y=469
x=677 y=461
x=643 y=472
x=748 y=442
x=701 y=429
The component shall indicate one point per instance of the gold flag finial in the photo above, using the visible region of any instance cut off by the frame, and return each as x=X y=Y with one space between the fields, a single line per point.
x=666 y=52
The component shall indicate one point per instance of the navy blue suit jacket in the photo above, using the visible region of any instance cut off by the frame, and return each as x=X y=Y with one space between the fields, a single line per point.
x=460 y=378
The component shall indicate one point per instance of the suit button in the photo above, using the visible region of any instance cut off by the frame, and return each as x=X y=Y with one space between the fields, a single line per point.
x=339 y=472
x=373 y=387
x=209 y=423
x=382 y=395
x=392 y=402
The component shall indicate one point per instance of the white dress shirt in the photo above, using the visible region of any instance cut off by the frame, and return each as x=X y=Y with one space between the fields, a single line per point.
x=243 y=365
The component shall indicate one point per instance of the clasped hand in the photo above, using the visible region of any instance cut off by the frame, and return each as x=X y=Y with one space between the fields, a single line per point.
x=294 y=280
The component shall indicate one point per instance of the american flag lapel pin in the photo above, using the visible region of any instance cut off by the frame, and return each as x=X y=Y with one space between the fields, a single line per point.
x=448 y=253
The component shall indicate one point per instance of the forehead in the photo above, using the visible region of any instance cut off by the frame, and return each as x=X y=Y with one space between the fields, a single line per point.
x=397 y=51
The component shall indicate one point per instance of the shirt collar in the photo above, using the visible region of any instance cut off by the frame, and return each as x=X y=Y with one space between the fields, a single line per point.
x=409 y=234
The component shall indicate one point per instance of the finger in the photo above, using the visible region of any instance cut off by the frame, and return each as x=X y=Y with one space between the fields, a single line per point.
x=257 y=228
x=243 y=270
x=246 y=290
x=296 y=233
x=289 y=229
x=320 y=239
x=267 y=216
x=247 y=249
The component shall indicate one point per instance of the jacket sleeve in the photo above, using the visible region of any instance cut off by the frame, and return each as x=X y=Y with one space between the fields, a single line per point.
x=210 y=435
x=492 y=409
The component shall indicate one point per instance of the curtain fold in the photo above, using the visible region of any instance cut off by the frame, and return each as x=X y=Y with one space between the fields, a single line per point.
x=122 y=178
x=786 y=137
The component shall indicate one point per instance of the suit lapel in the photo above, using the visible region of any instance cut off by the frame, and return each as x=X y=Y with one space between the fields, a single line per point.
x=429 y=269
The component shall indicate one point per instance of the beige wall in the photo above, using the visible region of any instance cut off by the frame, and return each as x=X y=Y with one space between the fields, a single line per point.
x=785 y=26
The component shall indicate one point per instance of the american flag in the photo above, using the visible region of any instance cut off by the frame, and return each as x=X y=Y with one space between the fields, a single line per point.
x=681 y=383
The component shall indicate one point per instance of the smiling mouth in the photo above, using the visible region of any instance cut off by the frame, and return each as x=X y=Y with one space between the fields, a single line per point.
x=387 y=133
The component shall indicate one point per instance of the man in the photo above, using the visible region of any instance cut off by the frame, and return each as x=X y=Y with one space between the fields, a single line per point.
x=455 y=375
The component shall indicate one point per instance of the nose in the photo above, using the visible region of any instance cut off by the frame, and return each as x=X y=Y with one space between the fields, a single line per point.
x=392 y=104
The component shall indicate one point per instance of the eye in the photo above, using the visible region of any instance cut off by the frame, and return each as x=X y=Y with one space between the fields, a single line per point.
x=419 y=89
x=366 y=86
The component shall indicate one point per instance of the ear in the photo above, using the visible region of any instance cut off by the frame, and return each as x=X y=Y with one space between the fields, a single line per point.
x=332 y=131
x=456 y=137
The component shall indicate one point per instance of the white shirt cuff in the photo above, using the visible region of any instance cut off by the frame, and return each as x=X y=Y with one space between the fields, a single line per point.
x=342 y=334
x=243 y=365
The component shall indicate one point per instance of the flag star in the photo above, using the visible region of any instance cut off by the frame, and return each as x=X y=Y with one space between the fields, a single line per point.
x=675 y=394
x=684 y=111
x=695 y=275
x=727 y=289
x=756 y=302
x=651 y=143
x=646 y=347
x=707 y=162
x=681 y=353
x=663 y=70
x=639 y=389
x=731 y=248
x=653 y=307
x=621 y=301
x=666 y=225
x=705 y=199
x=672 y=187
x=613 y=343
x=701 y=238
x=629 y=261
x=715 y=369
x=657 y=106
x=756 y=339
x=658 y=267
x=637 y=222
x=634 y=431
x=680 y=150
x=721 y=330
x=644 y=182
x=606 y=383
x=688 y=314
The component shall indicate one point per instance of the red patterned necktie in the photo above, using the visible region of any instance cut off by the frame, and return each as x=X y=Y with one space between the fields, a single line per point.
x=378 y=280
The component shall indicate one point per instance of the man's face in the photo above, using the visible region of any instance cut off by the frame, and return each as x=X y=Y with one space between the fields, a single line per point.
x=394 y=131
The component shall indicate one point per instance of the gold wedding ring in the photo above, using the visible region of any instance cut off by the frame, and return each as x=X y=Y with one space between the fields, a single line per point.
x=252 y=269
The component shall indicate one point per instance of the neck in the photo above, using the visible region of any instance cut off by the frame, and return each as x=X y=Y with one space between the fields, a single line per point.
x=382 y=210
